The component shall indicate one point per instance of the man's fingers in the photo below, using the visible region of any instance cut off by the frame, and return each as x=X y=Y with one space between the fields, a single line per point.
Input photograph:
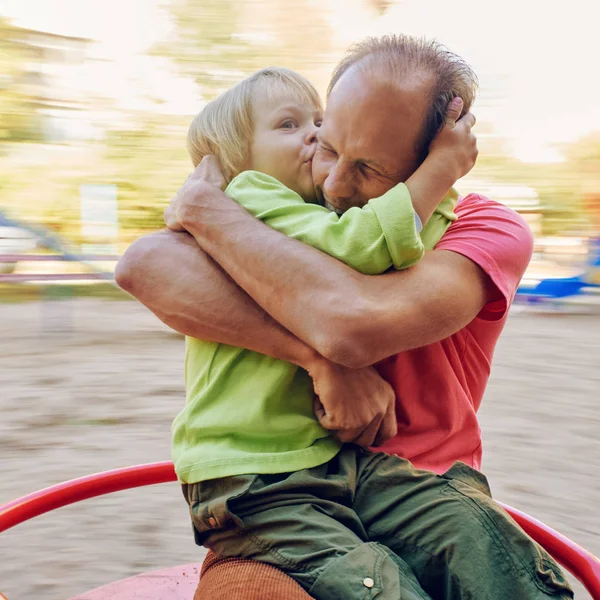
x=318 y=410
x=388 y=428
x=368 y=436
x=209 y=170
x=343 y=435
x=349 y=436
x=169 y=216
x=453 y=114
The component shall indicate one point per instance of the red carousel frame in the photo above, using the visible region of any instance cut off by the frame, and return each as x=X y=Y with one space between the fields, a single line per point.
x=582 y=564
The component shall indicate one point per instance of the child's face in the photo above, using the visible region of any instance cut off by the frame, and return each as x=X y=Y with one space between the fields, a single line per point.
x=284 y=140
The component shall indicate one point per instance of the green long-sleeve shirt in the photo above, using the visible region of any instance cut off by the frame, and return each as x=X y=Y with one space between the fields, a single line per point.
x=249 y=413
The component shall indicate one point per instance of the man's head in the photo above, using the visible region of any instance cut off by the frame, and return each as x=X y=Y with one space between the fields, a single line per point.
x=387 y=100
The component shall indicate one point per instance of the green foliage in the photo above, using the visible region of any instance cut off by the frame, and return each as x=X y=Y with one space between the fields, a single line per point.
x=148 y=162
x=562 y=187
x=218 y=42
x=19 y=119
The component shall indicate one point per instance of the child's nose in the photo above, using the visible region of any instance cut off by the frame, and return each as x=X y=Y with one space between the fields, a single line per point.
x=311 y=136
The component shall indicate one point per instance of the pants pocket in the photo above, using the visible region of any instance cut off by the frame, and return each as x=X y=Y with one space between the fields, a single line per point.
x=370 y=571
x=527 y=560
x=460 y=471
x=210 y=501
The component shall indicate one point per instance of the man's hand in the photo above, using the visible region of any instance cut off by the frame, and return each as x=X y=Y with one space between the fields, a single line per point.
x=455 y=147
x=207 y=173
x=355 y=403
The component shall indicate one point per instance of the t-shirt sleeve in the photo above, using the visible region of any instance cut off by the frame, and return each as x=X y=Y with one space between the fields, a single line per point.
x=498 y=240
x=371 y=239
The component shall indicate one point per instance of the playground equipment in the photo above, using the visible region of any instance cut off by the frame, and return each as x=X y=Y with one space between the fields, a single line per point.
x=17 y=238
x=179 y=583
x=558 y=288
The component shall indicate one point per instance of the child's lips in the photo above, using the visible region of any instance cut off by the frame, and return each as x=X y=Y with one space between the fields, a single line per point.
x=310 y=158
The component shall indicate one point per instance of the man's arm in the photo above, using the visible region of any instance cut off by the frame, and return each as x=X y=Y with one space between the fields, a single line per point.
x=350 y=318
x=189 y=292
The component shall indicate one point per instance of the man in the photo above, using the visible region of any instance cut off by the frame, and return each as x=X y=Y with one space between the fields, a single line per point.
x=432 y=328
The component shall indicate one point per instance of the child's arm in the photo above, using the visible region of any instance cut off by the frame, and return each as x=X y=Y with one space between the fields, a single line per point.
x=451 y=155
x=370 y=239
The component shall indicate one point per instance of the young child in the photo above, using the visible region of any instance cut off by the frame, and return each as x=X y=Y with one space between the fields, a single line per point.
x=263 y=479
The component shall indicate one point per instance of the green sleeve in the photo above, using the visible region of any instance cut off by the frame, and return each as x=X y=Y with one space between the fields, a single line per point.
x=370 y=239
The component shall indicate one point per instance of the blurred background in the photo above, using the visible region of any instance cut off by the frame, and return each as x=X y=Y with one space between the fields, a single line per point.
x=95 y=100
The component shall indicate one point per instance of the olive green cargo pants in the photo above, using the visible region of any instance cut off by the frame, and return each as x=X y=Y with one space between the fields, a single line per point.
x=369 y=525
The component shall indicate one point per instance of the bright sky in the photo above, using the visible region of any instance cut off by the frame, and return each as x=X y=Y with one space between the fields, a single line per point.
x=537 y=61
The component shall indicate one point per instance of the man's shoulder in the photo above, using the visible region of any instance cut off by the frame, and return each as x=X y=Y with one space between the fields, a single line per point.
x=474 y=204
x=488 y=218
x=494 y=237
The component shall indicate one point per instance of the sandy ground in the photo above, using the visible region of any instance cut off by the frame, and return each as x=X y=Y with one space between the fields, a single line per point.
x=90 y=385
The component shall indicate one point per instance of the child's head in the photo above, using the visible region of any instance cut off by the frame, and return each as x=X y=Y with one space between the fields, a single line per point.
x=266 y=123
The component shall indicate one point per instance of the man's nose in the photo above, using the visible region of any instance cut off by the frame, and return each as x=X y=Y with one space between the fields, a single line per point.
x=339 y=184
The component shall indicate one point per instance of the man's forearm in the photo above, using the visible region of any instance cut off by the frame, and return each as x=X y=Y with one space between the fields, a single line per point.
x=349 y=318
x=170 y=274
x=310 y=293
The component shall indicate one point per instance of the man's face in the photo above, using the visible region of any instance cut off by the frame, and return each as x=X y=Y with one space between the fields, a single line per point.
x=369 y=136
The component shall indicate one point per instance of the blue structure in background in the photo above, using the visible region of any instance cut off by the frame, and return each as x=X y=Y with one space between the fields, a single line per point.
x=557 y=288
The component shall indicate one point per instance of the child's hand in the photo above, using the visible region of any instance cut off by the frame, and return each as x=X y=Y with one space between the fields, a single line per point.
x=455 y=148
x=357 y=404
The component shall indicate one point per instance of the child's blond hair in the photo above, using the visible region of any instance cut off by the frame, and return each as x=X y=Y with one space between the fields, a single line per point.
x=224 y=127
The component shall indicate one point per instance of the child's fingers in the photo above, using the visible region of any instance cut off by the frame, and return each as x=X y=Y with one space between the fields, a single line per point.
x=454 y=109
x=469 y=120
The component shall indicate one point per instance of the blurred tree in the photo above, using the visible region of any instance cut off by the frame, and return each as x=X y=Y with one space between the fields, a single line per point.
x=218 y=42
x=148 y=161
x=566 y=190
x=379 y=5
x=584 y=160
x=19 y=120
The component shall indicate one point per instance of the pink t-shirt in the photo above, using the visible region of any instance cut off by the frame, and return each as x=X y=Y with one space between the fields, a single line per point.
x=439 y=387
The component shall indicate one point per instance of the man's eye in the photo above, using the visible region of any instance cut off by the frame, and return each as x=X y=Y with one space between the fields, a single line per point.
x=318 y=122
x=365 y=168
x=288 y=124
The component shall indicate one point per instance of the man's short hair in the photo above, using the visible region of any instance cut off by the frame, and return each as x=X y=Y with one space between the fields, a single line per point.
x=400 y=56
x=224 y=127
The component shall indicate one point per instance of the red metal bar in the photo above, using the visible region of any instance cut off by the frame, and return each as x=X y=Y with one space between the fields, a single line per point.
x=75 y=490
x=581 y=563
